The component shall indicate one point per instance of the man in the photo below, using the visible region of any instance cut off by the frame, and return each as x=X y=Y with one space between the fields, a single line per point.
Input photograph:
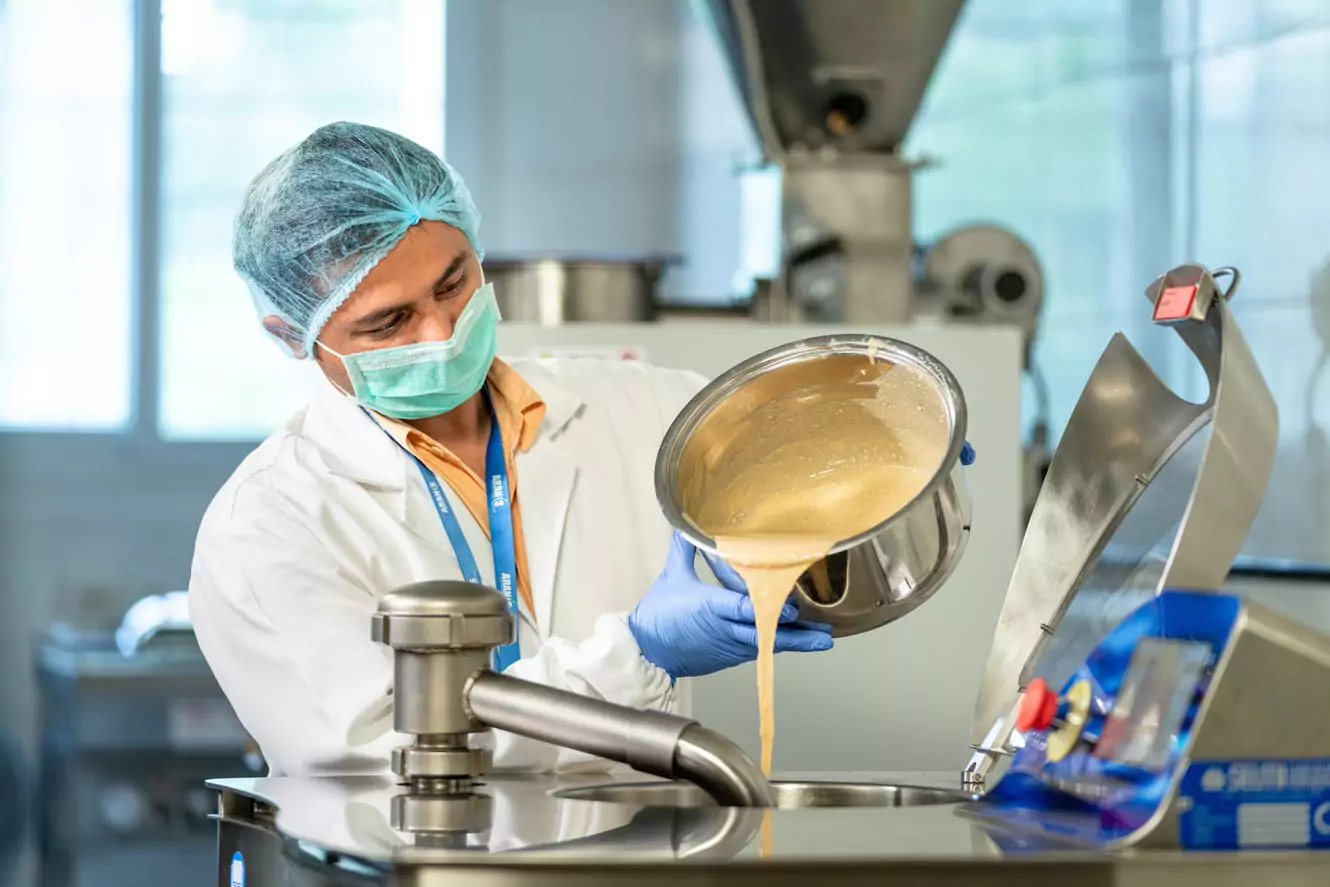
x=361 y=252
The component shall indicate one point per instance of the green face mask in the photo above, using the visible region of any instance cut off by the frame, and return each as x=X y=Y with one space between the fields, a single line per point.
x=428 y=378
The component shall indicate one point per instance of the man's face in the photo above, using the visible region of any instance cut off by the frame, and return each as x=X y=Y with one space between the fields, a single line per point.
x=414 y=295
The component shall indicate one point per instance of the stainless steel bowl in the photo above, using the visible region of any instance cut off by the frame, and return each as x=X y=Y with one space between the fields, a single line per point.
x=788 y=795
x=553 y=291
x=884 y=573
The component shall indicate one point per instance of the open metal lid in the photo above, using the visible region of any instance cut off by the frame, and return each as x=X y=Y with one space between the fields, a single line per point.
x=1146 y=491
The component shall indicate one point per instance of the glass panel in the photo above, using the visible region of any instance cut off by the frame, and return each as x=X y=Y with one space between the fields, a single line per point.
x=1075 y=128
x=244 y=80
x=1262 y=133
x=1033 y=127
x=66 y=78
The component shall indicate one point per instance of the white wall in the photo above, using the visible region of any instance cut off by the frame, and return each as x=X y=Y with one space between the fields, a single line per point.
x=564 y=119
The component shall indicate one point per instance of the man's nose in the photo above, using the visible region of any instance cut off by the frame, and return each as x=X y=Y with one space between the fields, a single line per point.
x=437 y=326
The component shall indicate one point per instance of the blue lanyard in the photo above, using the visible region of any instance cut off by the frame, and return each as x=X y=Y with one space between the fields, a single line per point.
x=501 y=532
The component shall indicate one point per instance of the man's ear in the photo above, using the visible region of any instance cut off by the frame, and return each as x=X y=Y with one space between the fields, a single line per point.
x=284 y=331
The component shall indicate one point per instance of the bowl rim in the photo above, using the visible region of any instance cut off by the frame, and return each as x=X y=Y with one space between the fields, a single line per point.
x=702 y=404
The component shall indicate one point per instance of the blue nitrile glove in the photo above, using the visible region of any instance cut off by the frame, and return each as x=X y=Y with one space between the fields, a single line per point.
x=967 y=454
x=689 y=628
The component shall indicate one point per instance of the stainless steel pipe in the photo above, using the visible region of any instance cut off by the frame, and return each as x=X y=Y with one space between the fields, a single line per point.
x=652 y=742
x=721 y=769
x=442 y=633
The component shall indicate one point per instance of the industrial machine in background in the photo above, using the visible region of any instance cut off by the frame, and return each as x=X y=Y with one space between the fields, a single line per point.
x=831 y=90
x=132 y=723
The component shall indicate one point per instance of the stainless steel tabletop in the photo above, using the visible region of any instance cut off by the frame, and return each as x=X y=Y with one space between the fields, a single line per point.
x=533 y=830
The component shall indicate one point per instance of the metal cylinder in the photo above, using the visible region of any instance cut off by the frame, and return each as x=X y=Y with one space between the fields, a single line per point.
x=428 y=687
x=553 y=291
x=442 y=633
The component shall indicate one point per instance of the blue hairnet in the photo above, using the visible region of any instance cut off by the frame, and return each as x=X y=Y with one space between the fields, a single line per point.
x=317 y=219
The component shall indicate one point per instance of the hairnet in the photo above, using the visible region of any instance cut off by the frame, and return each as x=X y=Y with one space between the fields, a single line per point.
x=317 y=219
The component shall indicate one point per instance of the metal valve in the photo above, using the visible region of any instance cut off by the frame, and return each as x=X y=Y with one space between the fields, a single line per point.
x=442 y=634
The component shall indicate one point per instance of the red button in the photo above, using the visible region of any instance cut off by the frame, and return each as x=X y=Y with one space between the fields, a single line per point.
x=1038 y=707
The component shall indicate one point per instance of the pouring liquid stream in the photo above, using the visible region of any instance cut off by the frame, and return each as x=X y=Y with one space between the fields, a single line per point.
x=833 y=455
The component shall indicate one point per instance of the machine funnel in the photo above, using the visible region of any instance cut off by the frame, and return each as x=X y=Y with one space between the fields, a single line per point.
x=848 y=74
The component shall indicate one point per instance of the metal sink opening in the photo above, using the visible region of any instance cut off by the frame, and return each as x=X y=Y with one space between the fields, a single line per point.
x=789 y=795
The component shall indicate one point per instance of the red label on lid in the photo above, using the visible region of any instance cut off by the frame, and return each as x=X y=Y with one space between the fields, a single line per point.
x=1175 y=302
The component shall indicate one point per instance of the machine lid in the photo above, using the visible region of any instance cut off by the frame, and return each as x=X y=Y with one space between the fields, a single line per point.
x=848 y=74
x=1146 y=492
x=443 y=597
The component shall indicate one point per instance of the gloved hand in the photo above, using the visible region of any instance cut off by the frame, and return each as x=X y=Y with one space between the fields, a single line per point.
x=690 y=628
x=967 y=454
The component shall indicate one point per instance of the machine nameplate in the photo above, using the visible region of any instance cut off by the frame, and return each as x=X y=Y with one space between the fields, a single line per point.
x=1243 y=805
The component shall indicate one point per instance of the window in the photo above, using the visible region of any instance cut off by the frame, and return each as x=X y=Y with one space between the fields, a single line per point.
x=1029 y=133
x=1261 y=74
x=1122 y=139
x=243 y=81
x=66 y=78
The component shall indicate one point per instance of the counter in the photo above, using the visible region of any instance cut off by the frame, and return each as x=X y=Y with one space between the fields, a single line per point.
x=337 y=830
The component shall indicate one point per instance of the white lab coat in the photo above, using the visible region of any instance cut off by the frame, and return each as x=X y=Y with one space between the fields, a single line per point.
x=329 y=514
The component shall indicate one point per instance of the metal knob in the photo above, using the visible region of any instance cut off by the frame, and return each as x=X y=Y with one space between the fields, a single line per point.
x=442 y=634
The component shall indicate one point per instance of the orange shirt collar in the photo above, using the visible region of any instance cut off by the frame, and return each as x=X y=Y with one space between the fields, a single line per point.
x=517 y=406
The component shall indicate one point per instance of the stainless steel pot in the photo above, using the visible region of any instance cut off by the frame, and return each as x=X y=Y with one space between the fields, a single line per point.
x=555 y=291
x=879 y=575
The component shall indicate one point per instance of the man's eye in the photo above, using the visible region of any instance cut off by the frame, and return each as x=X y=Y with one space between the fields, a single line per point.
x=454 y=286
x=388 y=328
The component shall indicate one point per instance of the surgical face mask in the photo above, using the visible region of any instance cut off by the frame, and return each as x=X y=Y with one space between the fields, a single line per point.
x=428 y=378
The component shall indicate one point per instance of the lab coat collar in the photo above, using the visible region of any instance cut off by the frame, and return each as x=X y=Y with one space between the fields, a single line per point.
x=353 y=446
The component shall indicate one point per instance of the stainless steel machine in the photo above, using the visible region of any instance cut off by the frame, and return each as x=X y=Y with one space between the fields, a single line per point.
x=132 y=722
x=831 y=89
x=1187 y=721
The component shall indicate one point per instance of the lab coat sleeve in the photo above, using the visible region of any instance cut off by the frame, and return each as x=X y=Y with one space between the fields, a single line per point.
x=285 y=626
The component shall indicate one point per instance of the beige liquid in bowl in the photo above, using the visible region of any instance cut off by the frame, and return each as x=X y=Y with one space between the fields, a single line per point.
x=799 y=460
